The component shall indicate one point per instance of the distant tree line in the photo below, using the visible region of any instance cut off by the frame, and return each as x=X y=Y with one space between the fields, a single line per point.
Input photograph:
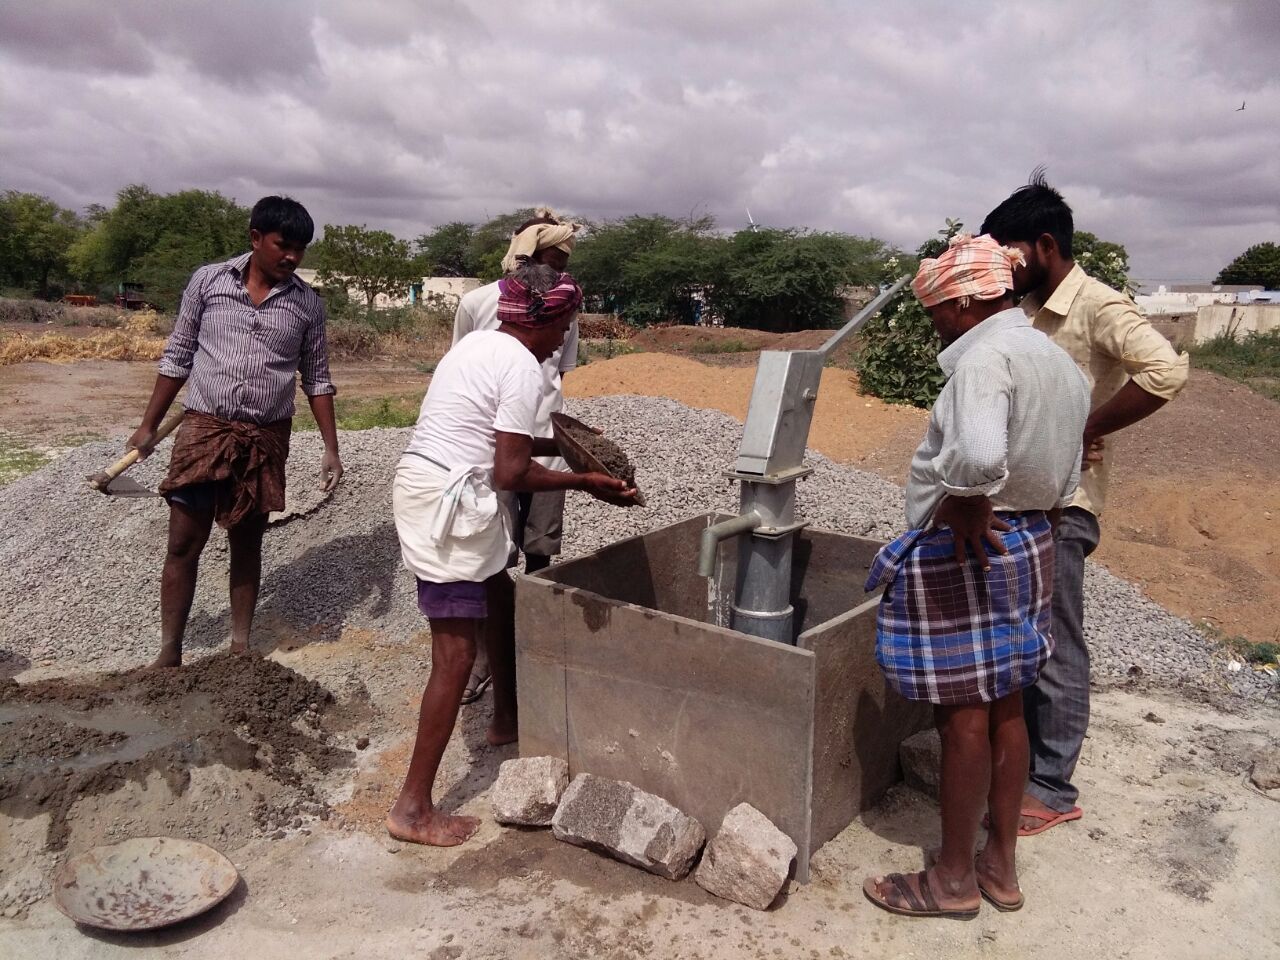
x=646 y=268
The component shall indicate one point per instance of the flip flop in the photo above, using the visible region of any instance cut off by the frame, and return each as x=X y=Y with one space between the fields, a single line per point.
x=924 y=905
x=1075 y=813
x=471 y=694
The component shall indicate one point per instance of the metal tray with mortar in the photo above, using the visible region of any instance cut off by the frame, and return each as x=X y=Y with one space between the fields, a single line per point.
x=143 y=884
x=580 y=460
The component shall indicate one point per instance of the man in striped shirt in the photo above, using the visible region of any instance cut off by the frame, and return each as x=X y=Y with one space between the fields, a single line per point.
x=245 y=330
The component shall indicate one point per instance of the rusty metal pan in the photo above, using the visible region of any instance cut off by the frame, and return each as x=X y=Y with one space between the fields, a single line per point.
x=143 y=884
x=580 y=460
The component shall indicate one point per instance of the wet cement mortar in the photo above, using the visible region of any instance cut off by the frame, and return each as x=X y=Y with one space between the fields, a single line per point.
x=610 y=456
x=225 y=749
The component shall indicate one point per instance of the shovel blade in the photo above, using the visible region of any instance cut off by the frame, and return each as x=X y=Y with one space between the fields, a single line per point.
x=128 y=487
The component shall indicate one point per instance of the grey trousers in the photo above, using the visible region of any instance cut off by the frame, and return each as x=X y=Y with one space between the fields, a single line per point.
x=537 y=523
x=1057 y=707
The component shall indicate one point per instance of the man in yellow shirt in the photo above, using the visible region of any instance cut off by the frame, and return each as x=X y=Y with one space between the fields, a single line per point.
x=1132 y=372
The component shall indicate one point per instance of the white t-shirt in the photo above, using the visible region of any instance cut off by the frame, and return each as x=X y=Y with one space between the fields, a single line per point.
x=488 y=382
x=478 y=310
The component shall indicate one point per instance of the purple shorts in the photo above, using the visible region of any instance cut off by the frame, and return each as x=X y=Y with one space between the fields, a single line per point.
x=462 y=599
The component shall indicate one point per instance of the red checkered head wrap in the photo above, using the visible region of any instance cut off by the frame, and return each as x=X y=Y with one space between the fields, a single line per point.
x=970 y=267
x=519 y=304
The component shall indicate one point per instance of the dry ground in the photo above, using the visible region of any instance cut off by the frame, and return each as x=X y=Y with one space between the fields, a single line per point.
x=1177 y=857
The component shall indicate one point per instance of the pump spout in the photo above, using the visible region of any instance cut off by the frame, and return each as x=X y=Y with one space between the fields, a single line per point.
x=723 y=530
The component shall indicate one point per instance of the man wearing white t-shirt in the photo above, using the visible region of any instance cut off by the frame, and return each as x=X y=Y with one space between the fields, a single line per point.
x=538 y=517
x=475 y=436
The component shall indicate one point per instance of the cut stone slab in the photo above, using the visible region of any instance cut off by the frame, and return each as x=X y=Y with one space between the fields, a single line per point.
x=749 y=859
x=921 y=756
x=620 y=820
x=528 y=790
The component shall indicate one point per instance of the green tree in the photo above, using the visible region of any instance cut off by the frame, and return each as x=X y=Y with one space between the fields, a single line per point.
x=788 y=280
x=649 y=268
x=489 y=242
x=1102 y=260
x=370 y=261
x=444 y=252
x=898 y=358
x=1259 y=264
x=36 y=236
x=159 y=240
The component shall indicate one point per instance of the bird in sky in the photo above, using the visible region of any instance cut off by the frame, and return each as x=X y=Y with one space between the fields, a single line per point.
x=1241 y=107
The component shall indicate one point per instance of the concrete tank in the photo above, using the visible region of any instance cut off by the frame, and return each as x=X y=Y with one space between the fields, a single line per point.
x=626 y=670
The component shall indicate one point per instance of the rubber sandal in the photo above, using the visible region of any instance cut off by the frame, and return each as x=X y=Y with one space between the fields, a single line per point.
x=1004 y=906
x=471 y=694
x=924 y=905
x=1075 y=813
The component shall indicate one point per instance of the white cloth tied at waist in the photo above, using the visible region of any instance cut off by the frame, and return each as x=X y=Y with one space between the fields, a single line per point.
x=450 y=522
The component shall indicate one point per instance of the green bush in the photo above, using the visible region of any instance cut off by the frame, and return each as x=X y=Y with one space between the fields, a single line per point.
x=898 y=359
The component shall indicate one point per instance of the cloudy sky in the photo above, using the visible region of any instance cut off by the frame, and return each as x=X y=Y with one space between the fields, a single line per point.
x=403 y=114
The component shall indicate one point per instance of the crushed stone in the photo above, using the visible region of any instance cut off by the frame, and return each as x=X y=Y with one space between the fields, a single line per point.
x=79 y=572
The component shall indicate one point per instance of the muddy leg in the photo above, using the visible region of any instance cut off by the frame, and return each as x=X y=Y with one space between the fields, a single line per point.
x=245 y=541
x=500 y=636
x=414 y=817
x=188 y=533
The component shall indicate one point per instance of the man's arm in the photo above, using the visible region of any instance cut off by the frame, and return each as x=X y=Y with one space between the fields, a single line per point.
x=162 y=394
x=1156 y=371
x=515 y=469
x=330 y=462
x=973 y=463
x=313 y=367
x=175 y=365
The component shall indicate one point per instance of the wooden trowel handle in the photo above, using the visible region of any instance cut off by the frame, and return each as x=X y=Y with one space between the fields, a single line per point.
x=167 y=426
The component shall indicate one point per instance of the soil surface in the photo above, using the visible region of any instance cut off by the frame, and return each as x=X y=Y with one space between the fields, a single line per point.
x=289 y=764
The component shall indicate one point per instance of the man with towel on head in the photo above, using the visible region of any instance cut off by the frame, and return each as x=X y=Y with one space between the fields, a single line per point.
x=476 y=436
x=538 y=517
x=968 y=634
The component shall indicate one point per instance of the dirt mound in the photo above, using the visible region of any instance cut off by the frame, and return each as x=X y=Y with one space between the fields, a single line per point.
x=716 y=339
x=224 y=748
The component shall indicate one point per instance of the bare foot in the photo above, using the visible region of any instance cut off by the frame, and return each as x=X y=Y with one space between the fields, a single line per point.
x=166 y=660
x=241 y=648
x=435 y=829
x=499 y=736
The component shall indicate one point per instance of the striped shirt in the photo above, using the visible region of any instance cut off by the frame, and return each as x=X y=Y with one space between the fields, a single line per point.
x=1009 y=424
x=240 y=359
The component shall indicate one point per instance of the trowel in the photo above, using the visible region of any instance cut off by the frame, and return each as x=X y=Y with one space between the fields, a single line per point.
x=112 y=484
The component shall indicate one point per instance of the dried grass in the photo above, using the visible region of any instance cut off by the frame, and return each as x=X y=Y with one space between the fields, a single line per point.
x=127 y=344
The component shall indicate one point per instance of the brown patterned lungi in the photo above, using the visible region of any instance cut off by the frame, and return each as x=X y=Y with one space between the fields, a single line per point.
x=244 y=462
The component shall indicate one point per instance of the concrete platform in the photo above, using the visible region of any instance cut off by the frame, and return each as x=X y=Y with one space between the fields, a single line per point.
x=625 y=670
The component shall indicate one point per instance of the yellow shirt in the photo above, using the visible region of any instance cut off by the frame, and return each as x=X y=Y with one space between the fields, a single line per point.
x=1111 y=343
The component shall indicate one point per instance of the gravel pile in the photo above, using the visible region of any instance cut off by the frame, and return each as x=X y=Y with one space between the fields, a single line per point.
x=79 y=572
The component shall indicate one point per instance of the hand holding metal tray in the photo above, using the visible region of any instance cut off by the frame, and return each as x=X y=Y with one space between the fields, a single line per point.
x=570 y=434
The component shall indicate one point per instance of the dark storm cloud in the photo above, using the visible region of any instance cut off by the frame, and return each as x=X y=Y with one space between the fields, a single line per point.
x=848 y=116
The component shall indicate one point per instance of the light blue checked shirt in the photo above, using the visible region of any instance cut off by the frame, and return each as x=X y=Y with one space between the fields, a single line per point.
x=1009 y=424
x=240 y=360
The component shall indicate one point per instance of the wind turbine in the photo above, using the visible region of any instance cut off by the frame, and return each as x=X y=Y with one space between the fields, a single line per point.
x=1241 y=107
x=755 y=227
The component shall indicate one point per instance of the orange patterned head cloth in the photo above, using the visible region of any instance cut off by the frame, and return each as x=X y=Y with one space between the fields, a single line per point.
x=971 y=267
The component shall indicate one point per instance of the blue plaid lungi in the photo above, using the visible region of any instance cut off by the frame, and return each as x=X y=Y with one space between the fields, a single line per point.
x=951 y=634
